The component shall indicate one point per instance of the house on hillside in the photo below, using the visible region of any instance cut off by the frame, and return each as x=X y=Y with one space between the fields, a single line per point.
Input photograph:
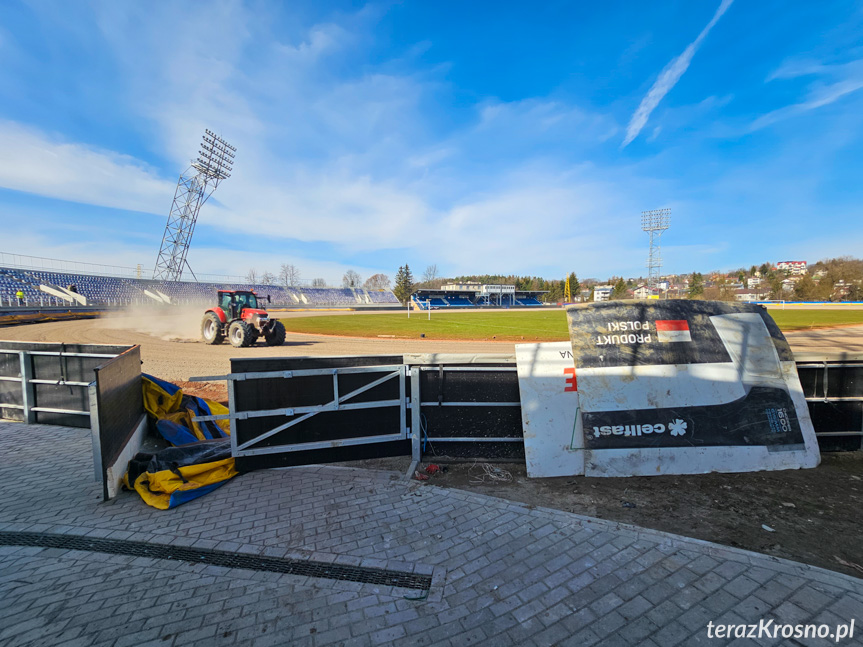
x=795 y=268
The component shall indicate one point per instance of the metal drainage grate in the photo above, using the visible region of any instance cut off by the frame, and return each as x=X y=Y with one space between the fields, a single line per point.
x=309 y=568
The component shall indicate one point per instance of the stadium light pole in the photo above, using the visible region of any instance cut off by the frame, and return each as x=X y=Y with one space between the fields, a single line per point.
x=655 y=222
x=214 y=163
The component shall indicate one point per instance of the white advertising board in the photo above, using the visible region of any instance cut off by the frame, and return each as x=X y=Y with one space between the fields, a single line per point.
x=687 y=387
x=553 y=439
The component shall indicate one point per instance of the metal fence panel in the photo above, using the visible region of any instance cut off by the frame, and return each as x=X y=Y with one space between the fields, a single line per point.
x=57 y=375
x=304 y=435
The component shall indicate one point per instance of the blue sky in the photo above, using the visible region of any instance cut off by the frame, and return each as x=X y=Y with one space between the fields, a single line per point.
x=481 y=137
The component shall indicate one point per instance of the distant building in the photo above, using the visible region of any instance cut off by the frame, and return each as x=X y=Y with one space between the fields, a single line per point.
x=466 y=286
x=795 y=268
x=750 y=295
x=472 y=294
x=644 y=292
x=602 y=292
x=753 y=282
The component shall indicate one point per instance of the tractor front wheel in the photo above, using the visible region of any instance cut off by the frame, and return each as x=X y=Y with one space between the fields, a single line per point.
x=275 y=335
x=211 y=329
x=242 y=334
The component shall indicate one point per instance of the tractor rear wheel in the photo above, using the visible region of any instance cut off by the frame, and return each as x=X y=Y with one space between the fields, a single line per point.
x=241 y=334
x=275 y=336
x=211 y=329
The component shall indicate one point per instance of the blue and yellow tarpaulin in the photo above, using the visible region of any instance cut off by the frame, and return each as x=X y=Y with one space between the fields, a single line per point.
x=176 y=475
x=200 y=460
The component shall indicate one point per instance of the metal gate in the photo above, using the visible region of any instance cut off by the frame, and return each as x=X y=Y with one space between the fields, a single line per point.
x=307 y=410
x=301 y=410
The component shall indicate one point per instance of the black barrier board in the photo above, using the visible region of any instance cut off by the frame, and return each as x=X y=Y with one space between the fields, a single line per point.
x=283 y=392
x=655 y=333
x=444 y=418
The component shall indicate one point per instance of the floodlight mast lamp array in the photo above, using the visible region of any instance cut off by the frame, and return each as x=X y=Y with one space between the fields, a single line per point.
x=214 y=163
x=654 y=222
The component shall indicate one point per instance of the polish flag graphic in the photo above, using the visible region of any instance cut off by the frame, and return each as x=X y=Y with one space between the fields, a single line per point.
x=673 y=330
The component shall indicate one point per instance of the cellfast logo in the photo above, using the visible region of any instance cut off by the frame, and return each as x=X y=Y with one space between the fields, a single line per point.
x=676 y=427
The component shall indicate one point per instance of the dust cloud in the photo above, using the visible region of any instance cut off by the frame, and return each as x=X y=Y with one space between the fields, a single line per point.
x=171 y=323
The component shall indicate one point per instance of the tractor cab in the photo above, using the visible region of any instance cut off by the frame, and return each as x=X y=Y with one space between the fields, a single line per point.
x=233 y=302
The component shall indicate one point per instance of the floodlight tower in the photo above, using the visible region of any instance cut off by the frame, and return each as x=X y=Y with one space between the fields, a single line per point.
x=654 y=223
x=196 y=184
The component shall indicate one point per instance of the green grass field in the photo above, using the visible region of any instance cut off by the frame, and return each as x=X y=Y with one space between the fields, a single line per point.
x=544 y=325
x=789 y=320
x=505 y=326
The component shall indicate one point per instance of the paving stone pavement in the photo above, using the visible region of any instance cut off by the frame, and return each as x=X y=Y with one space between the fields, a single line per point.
x=503 y=573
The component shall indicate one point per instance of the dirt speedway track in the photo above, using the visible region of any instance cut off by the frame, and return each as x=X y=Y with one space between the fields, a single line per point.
x=180 y=359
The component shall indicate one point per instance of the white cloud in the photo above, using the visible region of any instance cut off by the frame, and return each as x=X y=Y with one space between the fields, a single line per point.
x=352 y=211
x=540 y=120
x=845 y=79
x=35 y=162
x=668 y=78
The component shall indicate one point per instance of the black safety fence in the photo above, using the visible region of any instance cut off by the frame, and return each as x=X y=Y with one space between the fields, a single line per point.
x=294 y=411
x=47 y=383
x=468 y=409
x=833 y=386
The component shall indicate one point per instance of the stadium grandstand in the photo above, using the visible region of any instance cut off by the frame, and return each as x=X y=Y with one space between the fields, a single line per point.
x=49 y=287
x=475 y=295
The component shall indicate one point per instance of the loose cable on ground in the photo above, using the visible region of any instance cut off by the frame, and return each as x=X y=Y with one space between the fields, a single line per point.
x=489 y=473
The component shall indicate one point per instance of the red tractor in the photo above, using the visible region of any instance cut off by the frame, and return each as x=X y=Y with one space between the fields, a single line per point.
x=238 y=318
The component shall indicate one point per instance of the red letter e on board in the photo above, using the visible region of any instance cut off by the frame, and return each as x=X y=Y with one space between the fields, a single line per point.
x=571 y=382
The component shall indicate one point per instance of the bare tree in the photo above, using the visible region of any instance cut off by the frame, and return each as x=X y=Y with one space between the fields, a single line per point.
x=430 y=274
x=268 y=278
x=289 y=275
x=252 y=276
x=351 y=280
x=319 y=283
x=377 y=282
